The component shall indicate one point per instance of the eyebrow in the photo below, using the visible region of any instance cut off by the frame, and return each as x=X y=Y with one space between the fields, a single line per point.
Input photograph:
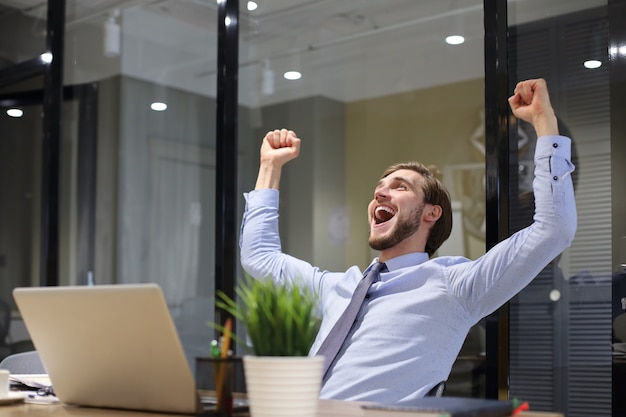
x=397 y=178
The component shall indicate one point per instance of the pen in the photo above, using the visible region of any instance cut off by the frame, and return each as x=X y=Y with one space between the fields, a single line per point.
x=519 y=406
x=226 y=342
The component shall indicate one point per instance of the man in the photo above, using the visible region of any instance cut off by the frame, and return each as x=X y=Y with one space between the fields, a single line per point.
x=413 y=323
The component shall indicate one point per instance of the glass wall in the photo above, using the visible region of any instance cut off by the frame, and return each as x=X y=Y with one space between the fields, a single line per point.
x=365 y=85
x=156 y=168
x=20 y=157
x=561 y=325
x=23 y=37
x=25 y=27
x=378 y=84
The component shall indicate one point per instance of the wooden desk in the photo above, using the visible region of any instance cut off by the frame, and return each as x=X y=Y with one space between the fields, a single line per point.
x=328 y=408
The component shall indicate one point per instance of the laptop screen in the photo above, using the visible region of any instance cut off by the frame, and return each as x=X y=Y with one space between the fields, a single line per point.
x=111 y=346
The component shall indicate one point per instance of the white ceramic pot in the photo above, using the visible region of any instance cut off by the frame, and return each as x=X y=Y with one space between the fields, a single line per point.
x=283 y=385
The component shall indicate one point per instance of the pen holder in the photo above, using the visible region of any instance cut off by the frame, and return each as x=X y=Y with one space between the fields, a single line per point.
x=222 y=375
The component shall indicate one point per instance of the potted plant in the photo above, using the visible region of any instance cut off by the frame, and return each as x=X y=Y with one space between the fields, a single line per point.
x=281 y=325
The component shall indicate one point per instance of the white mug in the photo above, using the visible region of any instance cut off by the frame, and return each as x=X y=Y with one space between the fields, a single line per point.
x=4 y=383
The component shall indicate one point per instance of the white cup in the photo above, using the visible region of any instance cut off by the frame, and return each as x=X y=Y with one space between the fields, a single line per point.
x=4 y=383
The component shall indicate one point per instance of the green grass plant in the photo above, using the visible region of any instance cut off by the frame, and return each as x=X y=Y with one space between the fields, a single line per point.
x=280 y=319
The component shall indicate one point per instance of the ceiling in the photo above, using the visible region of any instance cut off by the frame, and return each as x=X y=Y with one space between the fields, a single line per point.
x=346 y=49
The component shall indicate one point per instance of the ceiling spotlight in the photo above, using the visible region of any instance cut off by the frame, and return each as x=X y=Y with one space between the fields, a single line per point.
x=112 y=35
x=455 y=40
x=15 y=112
x=292 y=75
x=592 y=64
x=46 y=57
x=158 y=106
x=252 y=6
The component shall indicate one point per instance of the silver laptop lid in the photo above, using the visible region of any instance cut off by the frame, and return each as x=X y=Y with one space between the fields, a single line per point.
x=111 y=346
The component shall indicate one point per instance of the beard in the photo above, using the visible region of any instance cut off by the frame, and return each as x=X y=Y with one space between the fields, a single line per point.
x=402 y=230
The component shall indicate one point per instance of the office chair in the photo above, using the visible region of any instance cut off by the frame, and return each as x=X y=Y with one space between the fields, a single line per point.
x=5 y=324
x=437 y=390
x=23 y=363
x=8 y=347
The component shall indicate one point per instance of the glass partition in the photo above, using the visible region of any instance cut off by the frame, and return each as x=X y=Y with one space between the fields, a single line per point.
x=24 y=32
x=378 y=84
x=366 y=85
x=20 y=165
x=560 y=325
x=155 y=174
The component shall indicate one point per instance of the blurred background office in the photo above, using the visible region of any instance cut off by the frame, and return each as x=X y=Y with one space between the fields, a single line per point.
x=125 y=161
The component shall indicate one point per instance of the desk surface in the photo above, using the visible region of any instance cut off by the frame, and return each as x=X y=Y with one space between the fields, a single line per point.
x=328 y=408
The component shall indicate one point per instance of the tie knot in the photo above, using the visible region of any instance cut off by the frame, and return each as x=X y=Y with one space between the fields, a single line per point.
x=379 y=267
x=374 y=272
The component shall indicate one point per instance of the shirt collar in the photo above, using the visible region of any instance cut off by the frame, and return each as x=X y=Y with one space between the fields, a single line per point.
x=402 y=261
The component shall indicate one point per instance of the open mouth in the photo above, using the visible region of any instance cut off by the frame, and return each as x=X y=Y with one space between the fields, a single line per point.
x=383 y=214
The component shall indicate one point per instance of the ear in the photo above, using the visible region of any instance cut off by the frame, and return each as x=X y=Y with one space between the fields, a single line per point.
x=431 y=213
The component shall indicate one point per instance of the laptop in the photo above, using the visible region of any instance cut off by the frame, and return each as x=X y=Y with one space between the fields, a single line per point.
x=111 y=346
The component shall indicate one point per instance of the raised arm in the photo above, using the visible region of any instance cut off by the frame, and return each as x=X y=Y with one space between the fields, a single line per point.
x=513 y=263
x=260 y=247
x=278 y=148
x=531 y=103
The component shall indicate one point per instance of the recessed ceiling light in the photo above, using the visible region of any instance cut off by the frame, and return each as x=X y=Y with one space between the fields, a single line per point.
x=158 y=106
x=617 y=50
x=292 y=75
x=455 y=40
x=15 y=112
x=46 y=57
x=592 y=63
x=252 y=5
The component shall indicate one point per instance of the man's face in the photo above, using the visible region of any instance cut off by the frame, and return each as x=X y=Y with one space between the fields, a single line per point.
x=396 y=210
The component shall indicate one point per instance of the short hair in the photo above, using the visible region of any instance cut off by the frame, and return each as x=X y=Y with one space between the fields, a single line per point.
x=434 y=193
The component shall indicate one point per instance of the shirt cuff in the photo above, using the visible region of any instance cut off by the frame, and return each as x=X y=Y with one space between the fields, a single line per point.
x=559 y=146
x=263 y=197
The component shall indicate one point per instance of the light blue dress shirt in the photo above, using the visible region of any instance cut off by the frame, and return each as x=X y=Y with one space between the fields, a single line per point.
x=412 y=327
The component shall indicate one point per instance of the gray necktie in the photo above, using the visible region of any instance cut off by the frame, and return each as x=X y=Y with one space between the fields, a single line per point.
x=333 y=342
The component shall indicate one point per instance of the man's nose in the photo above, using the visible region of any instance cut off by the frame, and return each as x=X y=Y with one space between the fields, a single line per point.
x=381 y=192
